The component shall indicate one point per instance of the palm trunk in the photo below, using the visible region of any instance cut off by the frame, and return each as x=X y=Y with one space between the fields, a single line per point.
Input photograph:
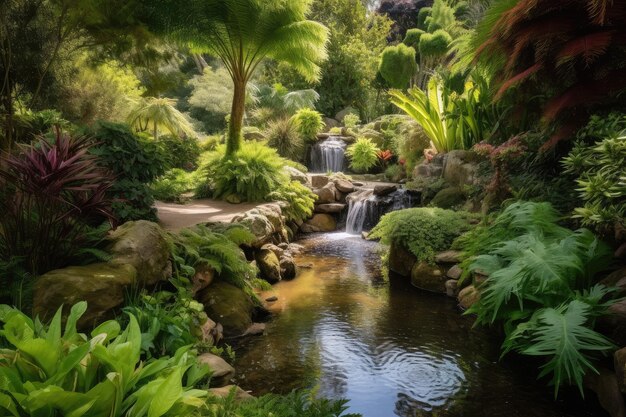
x=236 y=118
x=156 y=132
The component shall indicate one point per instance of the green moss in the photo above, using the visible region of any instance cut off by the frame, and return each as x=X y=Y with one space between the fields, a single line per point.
x=448 y=198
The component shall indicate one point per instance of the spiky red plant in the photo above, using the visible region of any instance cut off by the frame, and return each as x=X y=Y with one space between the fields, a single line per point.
x=571 y=51
x=51 y=191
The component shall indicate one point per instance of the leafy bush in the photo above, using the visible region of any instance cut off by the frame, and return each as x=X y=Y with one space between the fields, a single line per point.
x=55 y=371
x=301 y=404
x=135 y=161
x=363 y=154
x=351 y=120
x=284 y=136
x=394 y=173
x=539 y=286
x=599 y=169
x=300 y=200
x=51 y=194
x=397 y=65
x=180 y=153
x=424 y=231
x=309 y=123
x=175 y=183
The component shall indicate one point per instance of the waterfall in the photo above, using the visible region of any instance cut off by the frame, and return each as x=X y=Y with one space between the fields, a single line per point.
x=328 y=155
x=365 y=209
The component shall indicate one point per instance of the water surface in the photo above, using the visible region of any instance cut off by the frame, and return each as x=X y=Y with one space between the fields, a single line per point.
x=390 y=349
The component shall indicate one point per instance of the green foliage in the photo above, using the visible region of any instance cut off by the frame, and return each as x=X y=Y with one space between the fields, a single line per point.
x=51 y=370
x=135 y=161
x=285 y=136
x=351 y=120
x=599 y=172
x=180 y=153
x=397 y=65
x=301 y=404
x=434 y=44
x=363 y=155
x=412 y=37
x=216 y=246
x=300 y=200
x=309 y=123
x=168 y=321
x=174 y=183
x=423 y=13
x=539 y=286
x=155 y=114
x=424 y=231
x=395 y=173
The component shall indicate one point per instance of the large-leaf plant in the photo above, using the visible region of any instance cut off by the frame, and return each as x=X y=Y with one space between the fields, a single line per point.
x=49 y=371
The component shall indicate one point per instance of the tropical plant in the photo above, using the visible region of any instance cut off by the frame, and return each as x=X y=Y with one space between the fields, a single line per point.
x=242 y=33
x=282 y=102
x=309 y=123
x=540 y=286
x=180 y=153
x=351 y=120
x=51 y=370
x=284 y=136
x=601 y=180
x=135 y=161
x=363 y=154
x=174 y=183
x=154 y=114
x=424 y=231
x=398 y=66
x=299 y=198
x=570 y=53
x=51 y=193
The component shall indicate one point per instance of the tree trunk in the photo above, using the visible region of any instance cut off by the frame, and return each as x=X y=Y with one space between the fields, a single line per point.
x=156 y=131
x=236 y=118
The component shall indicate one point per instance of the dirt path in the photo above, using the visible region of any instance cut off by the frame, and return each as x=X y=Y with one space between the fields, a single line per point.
x=177 y=216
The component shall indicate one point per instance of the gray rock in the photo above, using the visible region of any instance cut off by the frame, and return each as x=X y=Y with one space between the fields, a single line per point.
x=221 y=371
x=296 y=175
x=606 y=386
x=452 y=287
x=330 y=208
x=468 y=296
x=223 y=392
x=384 y=189
x=287 y=267
x=319 y=223
x=255 y=329
x=448 y=257
x=401 y=261
x=326 y=194
x=344 y=186
x=455 y=272
x=428 y=277
x=318 y=181
x=268 y=264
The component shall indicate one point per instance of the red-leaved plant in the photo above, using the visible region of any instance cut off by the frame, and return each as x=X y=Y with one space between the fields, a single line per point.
x=52 y=191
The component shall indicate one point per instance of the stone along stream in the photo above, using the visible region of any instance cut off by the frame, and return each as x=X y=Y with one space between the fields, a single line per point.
x=390 y=349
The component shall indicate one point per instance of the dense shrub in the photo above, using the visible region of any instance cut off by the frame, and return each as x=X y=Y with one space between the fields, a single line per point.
x=48 y=370
x=309 y=123
x=175 y=183
x=540 y=287
x=51 y=193
x=424 y=231
x=135 y=161
x=182 y=153
x=299 y=198
x=284 y=136
x=599 y=172
x=351 y=120
x=363 y=155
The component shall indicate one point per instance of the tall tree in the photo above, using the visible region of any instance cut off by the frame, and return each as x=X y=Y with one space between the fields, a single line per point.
x=242 y=33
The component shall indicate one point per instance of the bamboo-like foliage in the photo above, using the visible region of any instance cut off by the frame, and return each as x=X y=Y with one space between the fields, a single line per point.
x=571 y=51
x=242 y=33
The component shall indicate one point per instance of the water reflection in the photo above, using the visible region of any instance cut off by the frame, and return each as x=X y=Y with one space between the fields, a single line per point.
x=387 y=347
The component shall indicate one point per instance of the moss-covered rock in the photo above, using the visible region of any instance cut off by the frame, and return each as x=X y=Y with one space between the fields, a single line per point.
x=228 y=305
x=428 y=277
x=320 y=223
x=143 y=245
x=102 y=285
x=448 y=198
x=401 y=261
x=268 y=264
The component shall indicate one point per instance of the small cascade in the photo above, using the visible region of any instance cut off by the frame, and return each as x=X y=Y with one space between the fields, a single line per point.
x=365 y=209
x=328 y=155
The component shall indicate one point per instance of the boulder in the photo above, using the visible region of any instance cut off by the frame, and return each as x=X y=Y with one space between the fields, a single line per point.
x=221 y=371
x=616 y=321
x=619 y=361
x=344 y=186
x=318 y=181
x=452 y=287
x=255 y=135
x=343 y=113
x=143 y=245
x=224 y=392
x=102 y=285
x=468 y=296
x=455 y=272
x=274 y=214
x=616 y=279
x=401 y=261
x=259 y=225
x=228 y=305
x=448 y=198
x=320 y=223
x=330 y=208
x=287 y=267
x=209 y=333
x=606 y=386
x=448 y=257
x=233 y=199
x=384 y=189
x=326 y=194
x=268 y=265
x=461 y=168
x=278 y=251
x=255 y=329
x=428 y=277
x=296 y=175
x=330 y=123
x=203 y=277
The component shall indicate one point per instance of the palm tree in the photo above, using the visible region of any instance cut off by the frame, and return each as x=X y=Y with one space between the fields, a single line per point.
x=242 y=33
x=159 y=113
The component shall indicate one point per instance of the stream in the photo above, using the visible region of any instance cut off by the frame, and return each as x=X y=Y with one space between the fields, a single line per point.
x=343 y=330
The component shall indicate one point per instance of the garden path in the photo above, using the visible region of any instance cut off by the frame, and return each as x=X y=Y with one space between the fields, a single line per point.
x=174 y=217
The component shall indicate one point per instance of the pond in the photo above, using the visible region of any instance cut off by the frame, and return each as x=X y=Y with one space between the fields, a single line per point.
x=343 y=330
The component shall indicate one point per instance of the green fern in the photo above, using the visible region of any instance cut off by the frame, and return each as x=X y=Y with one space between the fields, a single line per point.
x=299 y=198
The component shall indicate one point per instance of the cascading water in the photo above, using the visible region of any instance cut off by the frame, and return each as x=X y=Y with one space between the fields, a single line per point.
x=365 y=209
x=328 y=155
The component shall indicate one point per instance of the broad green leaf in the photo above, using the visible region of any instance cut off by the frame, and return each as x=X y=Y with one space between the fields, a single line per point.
x=167 y=394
